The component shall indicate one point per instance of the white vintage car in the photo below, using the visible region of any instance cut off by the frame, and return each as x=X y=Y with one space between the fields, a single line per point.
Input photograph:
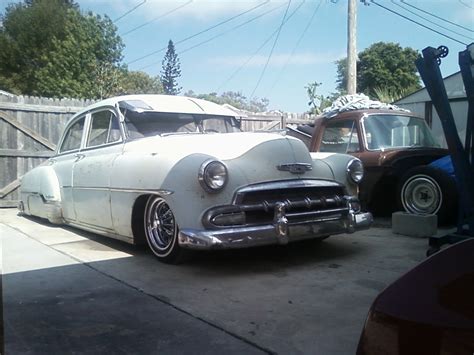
x=179 y=173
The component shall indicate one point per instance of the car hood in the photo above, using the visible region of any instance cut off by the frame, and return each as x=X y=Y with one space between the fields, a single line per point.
x=221 y=146
x=437 y=292
x=250 y=158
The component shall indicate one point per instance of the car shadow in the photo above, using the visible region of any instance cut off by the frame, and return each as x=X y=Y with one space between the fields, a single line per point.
x=297 y=254
x=238 y=261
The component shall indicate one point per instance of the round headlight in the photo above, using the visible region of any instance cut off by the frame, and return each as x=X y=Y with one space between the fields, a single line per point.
x=213 y=175
x=355 y=170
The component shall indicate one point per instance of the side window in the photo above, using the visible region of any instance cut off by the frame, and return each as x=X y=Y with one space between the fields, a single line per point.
x=104 y=129
x=72 y=140
x=114 y=131
x=340 y=137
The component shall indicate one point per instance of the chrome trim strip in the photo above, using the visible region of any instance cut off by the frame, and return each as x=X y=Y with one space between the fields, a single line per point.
x=161 y=192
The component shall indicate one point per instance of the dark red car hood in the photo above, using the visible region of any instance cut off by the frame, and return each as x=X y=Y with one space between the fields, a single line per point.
x=438 y=292
x=429 y=310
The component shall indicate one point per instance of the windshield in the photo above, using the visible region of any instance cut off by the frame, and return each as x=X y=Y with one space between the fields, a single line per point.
x=393 y=131
x=146 y=124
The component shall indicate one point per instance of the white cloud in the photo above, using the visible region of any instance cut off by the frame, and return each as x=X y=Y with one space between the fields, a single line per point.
x=277 y=60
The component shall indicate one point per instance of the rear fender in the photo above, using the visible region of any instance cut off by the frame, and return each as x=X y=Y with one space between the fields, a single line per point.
x=41 y=194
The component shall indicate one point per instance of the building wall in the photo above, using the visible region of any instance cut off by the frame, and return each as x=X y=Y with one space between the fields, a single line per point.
x=459 y=109
x=428 y=112
x=420 y=104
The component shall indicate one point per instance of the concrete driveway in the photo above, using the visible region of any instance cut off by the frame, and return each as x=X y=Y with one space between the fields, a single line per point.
x=67 y=291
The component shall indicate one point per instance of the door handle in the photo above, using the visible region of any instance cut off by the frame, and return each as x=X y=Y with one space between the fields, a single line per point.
x=51 y=161
x=79 y=157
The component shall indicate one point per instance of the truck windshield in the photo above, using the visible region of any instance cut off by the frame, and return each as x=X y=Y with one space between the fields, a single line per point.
x=394 y=131
x=146 y=124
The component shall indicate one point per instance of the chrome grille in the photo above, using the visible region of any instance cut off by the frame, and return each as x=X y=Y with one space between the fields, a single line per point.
x=304 y=200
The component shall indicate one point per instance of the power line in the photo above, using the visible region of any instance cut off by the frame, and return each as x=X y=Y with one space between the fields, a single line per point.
x=297 y=44
x=201 y=32
x=258 y=49
x=429 y=21
x=467 y=5
x=438 y=17
x=271 y=51
x=231 y=29
x=416 y=22
x=220 y=34
x=130 y=11
x=157 y=18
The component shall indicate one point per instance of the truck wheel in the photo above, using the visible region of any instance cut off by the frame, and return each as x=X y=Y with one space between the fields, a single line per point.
x=161 y=230
x=428 y=190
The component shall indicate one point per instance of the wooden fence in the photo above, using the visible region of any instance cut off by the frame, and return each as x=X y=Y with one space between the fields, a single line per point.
x=30 y=128
x=265 y=122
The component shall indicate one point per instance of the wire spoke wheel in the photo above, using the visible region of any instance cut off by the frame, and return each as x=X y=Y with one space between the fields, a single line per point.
x=161 y=229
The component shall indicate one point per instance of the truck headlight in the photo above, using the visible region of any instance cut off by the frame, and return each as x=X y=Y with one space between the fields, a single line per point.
x=213 y=175
x=355 y=170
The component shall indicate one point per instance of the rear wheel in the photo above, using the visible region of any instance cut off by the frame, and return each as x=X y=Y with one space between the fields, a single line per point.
x=427 y=190
x=161 y=230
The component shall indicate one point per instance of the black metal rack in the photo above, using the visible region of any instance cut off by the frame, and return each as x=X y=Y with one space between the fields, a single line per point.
x=461 y=156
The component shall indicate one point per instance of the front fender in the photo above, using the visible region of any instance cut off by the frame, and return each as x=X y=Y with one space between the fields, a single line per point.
x=338 y=165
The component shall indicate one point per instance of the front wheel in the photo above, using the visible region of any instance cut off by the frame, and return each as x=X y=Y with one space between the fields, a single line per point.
x=428 y=190
x=161 y=230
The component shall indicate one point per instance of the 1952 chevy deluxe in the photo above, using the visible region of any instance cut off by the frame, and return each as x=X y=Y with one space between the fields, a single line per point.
x=179 y=173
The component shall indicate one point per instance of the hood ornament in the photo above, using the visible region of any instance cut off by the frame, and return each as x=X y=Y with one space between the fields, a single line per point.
x=295 y=168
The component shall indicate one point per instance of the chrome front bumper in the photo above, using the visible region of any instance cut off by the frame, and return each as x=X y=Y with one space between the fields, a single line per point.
x=278 y=232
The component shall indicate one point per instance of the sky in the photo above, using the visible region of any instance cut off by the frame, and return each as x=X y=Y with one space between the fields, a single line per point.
x=241 y=54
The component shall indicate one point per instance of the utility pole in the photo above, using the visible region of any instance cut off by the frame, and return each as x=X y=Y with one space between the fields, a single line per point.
x=352 y=47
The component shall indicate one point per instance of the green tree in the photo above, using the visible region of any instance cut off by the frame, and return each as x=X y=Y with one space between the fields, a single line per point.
x=388 y=96
x=171 y=71
x=236 y=99
x=137 y=82
x=382 y=66
x=51 y=48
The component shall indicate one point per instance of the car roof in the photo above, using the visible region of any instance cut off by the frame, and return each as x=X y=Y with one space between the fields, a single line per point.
x=167 y=103
x=362 y=112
